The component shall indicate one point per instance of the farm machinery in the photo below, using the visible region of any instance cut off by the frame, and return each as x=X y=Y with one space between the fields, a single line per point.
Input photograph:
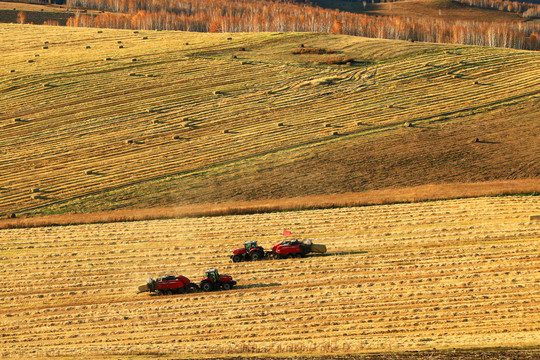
x=178 y=284
x=283 y=250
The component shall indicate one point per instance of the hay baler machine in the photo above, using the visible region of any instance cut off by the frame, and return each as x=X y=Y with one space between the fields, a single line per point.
x=178 y=284
x=283 y=250
x=168 y=285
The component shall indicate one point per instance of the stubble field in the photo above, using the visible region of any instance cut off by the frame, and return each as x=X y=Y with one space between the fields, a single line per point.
x=99 y=119
x=456 y=274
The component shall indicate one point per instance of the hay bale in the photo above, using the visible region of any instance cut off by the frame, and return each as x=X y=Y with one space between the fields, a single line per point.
x=155 y=121
x=88 y=172
x=11 y=71
x=132 y=74
x=45 y=47
x=389 y=106
x=35 y=196
x=280 y=124
x=233 y=56
x=30 y=61
x=129 y=141
x=16 y=120
x=225 y=131
x=135 y=32
x=302 y=45
x=186 y=43
x=475 y=140
x=34 y=190
x=335 y=133
x=107 y=59
x=229 y=38
x=100 y=32
x=176 y=137
x=119 y=42
x=217 y=92
x=534 y=218
x=475 y=82
x=327 y=125
x=242 y=49
x=133 y=60
x=12 y=216
x=145 y=37
x=121 y=46
x=88 y=46
x=407 y=124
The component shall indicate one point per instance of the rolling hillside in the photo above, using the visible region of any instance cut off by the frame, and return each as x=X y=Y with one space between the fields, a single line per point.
x=101 y=119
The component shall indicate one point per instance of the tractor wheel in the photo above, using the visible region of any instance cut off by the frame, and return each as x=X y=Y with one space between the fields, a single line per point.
x=159 y=293
x=206 y=286
x=182 y=290
x=226 y=286
x=255 y=256
x=236 y=258
x=169 y=292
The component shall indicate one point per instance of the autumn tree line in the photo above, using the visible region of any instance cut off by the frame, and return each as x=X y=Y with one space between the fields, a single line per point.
x=279 y=16
x=524 y=9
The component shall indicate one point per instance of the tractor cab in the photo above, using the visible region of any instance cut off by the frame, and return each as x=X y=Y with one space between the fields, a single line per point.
x=248 y=245
x=212 y=274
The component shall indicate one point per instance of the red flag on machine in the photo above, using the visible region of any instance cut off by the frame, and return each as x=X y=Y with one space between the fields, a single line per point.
x=286 y=232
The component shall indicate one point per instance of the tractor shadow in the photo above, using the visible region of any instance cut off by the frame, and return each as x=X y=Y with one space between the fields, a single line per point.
x=343 y=253
x=252 y=286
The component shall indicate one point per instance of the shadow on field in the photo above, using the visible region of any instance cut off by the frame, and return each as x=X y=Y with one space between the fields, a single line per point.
x=256 y=286
x=343 y=253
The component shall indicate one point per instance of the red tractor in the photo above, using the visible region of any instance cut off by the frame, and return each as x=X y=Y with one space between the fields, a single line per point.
x=213 y=281
x=168 y=285
x=250 y=251
x=283 y=250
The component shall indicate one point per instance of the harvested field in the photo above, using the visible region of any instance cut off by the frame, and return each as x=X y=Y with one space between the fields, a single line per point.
x=444 y=275
x=124 y=119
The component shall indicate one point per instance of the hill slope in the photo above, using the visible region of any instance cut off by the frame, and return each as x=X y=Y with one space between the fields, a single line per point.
x=169 y=118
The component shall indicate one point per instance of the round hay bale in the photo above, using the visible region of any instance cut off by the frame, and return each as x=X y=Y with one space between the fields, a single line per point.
x=327 y=125
x=185 y=118
x=107 y=59
x=133 y=60
x=11 y=71
x=35 y=196
x=335 y=133
x=88 y=172
x=233 y=56
x=389 y=106
x=12 y=216
x=135 y=32
x=45 y=42
x=176 y=137
x=280 y=124
x=186 y=43
x=475 y=140
x=17 y=120
x=121 y=46
x=145 y=37
x=475 y=82
x=88 y=46
x=45 y=47
x=100 y=31
x=30 y=61
x=155 y=121
x=119 y=41
x=217 y=92
x=242 y=49
x=302 y=45
x=407 y=124
x=244 y=63
x=229 y=38
x=132 y=74
x=129 y=141
x=225 y=131
x=34 y=190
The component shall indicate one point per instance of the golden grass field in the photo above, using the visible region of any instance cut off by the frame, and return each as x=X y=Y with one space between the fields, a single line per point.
x=104 y=119
x=444 y=275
